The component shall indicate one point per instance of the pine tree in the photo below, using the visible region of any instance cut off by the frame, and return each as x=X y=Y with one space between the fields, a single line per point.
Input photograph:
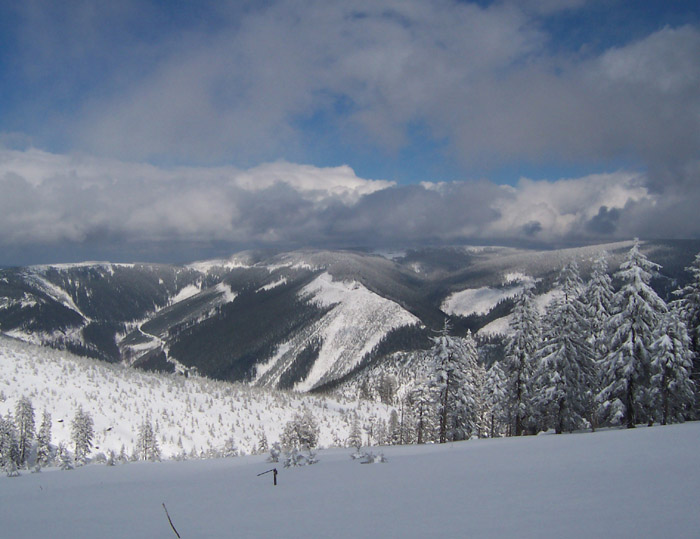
x=355 y=438
x=626 y=394
x=301 y=432
x=262 y=443
x=565 y=371
x=672 y=366
x=495 y=388
x=9 y=446
x=458 y=383
x=690 y=310
x=82 y=434
x=147 y=447
x=394 y=428
x=24 y=421
x=230 y=449
x=520 y=360
x=387 y=389
x=598 y=300
x=423 y=411
x=43 y=440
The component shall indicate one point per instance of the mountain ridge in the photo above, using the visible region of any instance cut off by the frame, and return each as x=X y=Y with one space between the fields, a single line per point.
x=257 y=317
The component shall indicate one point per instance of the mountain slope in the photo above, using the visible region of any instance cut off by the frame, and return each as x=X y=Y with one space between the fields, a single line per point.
x=189 y=413
x=269 y=318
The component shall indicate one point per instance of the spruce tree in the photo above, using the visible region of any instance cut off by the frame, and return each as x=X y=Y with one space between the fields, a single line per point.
x=458 y=383
x=301 y=432
x=520 y=360
x=423 y=411
x=495 y=388
x=565 y=370
x=671 y=366
x=43 y=440
x=9 y=447
x=690 y=311
x=626 y=395
x=24 y=422
x=82 y=434
x=598 y=300
x=147 y=447
x=262 y=443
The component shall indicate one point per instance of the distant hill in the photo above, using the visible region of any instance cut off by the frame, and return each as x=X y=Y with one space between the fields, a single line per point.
x=298 y=320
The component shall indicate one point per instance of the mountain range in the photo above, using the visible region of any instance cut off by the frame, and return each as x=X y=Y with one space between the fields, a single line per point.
x=300 y=320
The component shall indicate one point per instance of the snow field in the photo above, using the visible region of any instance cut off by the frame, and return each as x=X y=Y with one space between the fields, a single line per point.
x=616 y=483
x=187 y=413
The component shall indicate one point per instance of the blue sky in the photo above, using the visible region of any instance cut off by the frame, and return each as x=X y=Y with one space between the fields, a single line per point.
x=497 y=102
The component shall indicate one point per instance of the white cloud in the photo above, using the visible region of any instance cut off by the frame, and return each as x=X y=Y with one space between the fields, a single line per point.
x=554 y=210
x=55 y=200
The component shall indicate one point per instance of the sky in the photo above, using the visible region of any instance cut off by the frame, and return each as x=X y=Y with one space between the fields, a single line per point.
x=174 y=131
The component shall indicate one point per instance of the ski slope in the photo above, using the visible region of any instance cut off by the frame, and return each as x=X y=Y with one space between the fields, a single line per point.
x=616 y=483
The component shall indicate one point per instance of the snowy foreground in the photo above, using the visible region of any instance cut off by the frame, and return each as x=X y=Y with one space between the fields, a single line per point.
x=617 y=483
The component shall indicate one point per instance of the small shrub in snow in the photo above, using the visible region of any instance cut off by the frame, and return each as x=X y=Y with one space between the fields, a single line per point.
x=11 y=469
x=295 y=458
x=275 y=452
x=66 y=462
x=369 y=457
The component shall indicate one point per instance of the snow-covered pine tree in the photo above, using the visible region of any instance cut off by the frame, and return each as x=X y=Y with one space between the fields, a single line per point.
x=394 y=428
x=422 y=411
x=230 y=448
x=147 y=447
x=82 y=434
x=355 y=438
x=497 y=402
x=519 y=360
x=9 y=447
x=262 y=443
x=387 y=388
x=43 y=440
x=459 y=385
x=301 y=432
x=671 y=367
x=626 y=395
x=24 y=422
x=565 y=368
x=690 y=308
x=598 y=299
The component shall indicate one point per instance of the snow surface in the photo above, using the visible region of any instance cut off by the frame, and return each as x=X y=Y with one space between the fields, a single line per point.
x=477 y=300
x=187 y=292
x=482 y=300
x=270 y=286
x=635 y=483
x=187 y=413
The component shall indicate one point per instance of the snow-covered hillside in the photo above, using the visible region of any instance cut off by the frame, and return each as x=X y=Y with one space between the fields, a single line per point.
x=187 y=413
x=357 y=320
x=643 y=482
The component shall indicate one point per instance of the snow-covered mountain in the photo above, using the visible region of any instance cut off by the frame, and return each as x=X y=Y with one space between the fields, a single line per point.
x=189 y=414
x=301 y=319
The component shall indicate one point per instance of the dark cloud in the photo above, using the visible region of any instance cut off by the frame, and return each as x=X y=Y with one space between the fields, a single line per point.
x=532 y=228
x=605 y=221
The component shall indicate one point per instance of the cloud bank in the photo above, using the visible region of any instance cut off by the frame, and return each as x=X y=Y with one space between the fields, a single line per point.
x=55 y=200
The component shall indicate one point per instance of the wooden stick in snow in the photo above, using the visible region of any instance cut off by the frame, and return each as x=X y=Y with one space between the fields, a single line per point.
x=171 y=522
